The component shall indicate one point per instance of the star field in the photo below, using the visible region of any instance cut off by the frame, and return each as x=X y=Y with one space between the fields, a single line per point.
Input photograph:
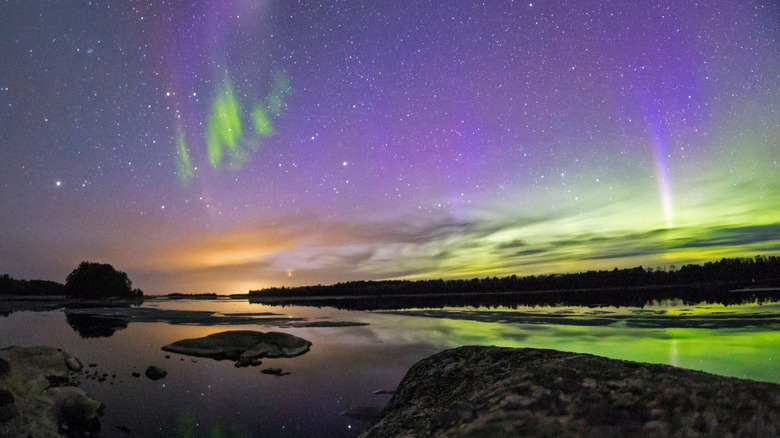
x=217 y=146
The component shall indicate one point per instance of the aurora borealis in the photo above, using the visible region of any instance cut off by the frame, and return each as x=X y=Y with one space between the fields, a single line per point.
x=218 y=146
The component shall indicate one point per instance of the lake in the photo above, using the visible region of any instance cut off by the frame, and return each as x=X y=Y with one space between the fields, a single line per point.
x=330 y=390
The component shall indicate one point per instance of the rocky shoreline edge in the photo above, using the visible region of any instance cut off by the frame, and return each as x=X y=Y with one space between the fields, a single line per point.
x=467 y=391
x=39 y=395
x=491 y=391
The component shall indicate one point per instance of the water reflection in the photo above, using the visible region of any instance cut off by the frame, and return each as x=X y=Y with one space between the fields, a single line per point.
x=92 y=326
x=595 y=298
x=349 y=362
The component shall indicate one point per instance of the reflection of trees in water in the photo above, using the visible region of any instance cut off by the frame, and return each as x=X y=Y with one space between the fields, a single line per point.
x=632 y=287
x=637 y=298
x=91 y=326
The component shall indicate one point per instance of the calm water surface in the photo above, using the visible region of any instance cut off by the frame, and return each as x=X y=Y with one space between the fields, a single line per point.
x=205 y=397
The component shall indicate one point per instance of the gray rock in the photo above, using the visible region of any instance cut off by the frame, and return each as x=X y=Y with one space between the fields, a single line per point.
x=241 y=345
x=155 y=373
x=72 y=362
x=39 y=397
x=491 y=391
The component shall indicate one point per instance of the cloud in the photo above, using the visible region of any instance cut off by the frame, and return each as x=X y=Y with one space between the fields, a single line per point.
x=311 y=249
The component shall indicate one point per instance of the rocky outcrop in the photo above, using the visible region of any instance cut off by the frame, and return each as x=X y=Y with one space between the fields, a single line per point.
x=155 y=373
x=39 y=397
x=491 y=391
x=243 y=346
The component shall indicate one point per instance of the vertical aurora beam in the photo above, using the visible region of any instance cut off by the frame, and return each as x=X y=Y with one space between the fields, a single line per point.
x=184 y=169
x=662 y=174
x=651 y=109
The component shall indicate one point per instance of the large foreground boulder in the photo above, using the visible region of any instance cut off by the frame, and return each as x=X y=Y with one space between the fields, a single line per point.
x=242 y=345
x=491 y=391
x=38 y=394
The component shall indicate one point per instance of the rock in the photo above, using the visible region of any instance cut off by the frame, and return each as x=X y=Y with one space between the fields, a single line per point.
x=38 y=396
x=136 y=374
x=274 y=371
x=241 y=345
x=3 y=367
x=245 y=362
x=491 y=391
x=155 y=373
x=6 y=398
x=72 y=362
x=8 y=408
x=58 y=380
x=77 y=409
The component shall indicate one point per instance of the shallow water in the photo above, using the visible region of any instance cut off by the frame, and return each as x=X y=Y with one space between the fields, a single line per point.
x=205 y=397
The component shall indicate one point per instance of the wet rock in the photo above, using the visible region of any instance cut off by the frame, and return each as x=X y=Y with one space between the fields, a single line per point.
x=491 y=391
x=38 y=396
x=72 y=362
x=155 y=373
x=242 y=345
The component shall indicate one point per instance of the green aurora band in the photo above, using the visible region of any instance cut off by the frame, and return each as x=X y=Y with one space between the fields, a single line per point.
x=225 y=144
x=224 y=127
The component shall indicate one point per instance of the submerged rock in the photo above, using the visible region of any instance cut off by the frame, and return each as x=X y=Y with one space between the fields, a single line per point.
x=491 y=391
x=244 y=346
x=155 y=373
x=39 y=396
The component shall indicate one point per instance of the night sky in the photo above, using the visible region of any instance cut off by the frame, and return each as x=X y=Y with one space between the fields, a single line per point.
x=222 y=146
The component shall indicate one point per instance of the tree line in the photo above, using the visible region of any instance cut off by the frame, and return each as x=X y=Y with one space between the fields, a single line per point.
x=88 y=280
x=727 y=273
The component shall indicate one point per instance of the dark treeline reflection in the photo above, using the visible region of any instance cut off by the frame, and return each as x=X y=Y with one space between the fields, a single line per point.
x=92 y=326
x=585 y=298
x=634 y=287
x=88 y=325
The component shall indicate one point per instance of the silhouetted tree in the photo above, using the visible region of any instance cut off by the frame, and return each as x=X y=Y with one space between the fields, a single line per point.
x=98 y=280
x=10 y=286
